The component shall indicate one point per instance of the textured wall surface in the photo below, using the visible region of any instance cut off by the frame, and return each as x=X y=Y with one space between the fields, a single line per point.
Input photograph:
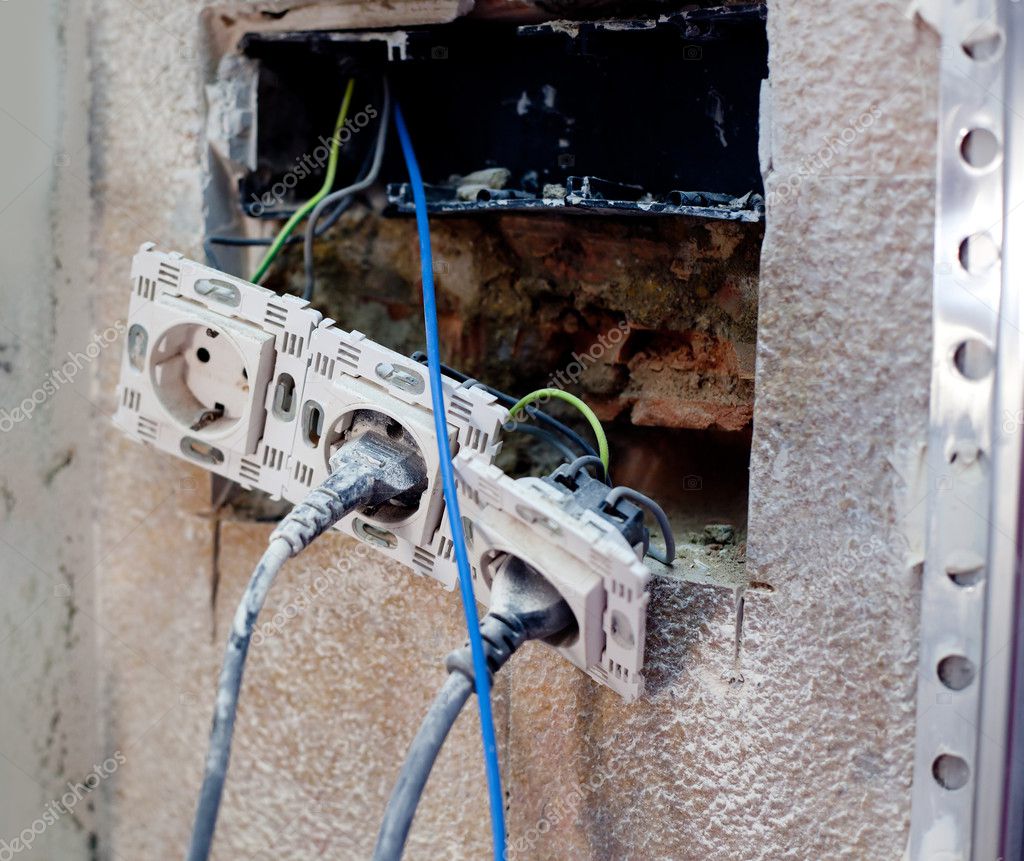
x=801 y=749
x=49 y=420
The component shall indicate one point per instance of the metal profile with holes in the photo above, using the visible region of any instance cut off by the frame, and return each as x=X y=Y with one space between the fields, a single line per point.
x=969 y=590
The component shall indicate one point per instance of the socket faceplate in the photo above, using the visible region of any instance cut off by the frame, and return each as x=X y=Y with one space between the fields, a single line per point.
x=601 y=577
x=259 y=388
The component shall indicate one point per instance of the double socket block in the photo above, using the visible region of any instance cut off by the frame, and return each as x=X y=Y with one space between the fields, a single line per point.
x=261 y=389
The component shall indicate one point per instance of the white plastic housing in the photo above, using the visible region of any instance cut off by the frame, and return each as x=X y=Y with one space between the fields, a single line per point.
x=601 y=577
x=226 y=374
x=258 y=388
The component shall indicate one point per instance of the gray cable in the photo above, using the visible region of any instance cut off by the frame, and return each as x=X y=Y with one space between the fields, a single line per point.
x=585 y=461
x=418 y=763
x=659 y=515
x=335 y=196
x=524 y=606
x=368 y=469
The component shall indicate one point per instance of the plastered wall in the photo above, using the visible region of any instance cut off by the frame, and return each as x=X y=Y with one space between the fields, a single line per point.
x=800 y=749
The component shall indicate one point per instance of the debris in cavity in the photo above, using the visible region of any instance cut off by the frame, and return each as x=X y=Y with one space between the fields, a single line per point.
x=553 y=190
x=469 y=186
x=719 y=533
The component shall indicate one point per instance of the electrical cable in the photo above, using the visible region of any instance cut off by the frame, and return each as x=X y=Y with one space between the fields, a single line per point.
x=585 y=461
x=302 y=211
x=524 y=606
x=369 y=179
x=588 y=414
x=568 y=455
x=659 y=515
x=255 y=241
x=509 y=400
x=481 y=677
x=369 y=469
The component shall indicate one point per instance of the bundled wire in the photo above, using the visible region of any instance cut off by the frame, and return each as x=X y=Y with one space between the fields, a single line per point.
x=302 y=211
x=588 y=414
x=508 y=400
x=482 y=681
x=258 y=241
x=369 y=179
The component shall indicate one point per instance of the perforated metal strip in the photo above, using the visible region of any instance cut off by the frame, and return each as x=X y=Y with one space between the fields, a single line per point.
x=973 y=454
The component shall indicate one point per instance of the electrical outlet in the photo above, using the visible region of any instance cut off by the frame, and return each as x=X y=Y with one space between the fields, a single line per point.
x=259 y=388
x=601 y=577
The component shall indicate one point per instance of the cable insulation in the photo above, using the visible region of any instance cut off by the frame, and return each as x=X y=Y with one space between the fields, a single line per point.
x=302 y=211
x=482 y=679
x=659 y=515
x=412 y=779
x=228 y=687
x=588 y=414
x=369 y=179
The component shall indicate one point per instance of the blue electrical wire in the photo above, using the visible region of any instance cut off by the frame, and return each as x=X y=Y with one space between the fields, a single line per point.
x=482 y=679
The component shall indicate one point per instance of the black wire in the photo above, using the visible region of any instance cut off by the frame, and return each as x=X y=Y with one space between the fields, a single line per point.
x=418 y=762
x=509 y=401
x=247 y=241
x=551 y=439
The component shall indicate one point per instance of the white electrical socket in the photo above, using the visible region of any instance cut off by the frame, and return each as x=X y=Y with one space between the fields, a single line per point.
x=259 y=388
x=581 y=554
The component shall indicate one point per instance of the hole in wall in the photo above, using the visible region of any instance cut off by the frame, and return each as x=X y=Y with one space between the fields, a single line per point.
x=549 y=291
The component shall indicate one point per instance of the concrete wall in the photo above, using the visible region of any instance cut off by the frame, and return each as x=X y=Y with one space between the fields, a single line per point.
x=51 y=415
x=802 y=750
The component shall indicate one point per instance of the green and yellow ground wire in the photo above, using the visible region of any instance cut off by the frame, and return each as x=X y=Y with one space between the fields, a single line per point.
x=517 y=414
x=309 y=205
